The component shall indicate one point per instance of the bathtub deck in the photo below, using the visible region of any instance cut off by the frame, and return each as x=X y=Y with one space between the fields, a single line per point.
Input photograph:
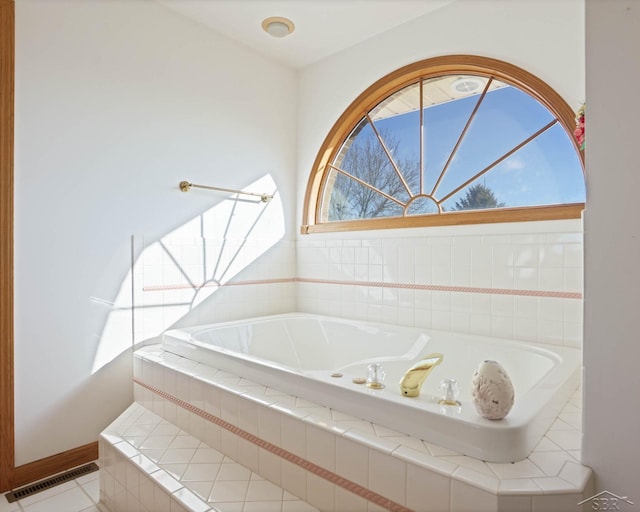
x=335 y=461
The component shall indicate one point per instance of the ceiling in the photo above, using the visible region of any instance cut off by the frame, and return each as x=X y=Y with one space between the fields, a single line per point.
x=322 y=27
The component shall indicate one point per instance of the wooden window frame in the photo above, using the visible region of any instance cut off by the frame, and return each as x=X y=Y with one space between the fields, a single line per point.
x=401 y=78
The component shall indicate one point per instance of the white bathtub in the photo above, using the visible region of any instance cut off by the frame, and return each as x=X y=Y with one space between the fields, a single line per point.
x=298 y=353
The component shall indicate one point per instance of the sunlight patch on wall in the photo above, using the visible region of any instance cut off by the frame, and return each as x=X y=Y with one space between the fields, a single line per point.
x=187 y=267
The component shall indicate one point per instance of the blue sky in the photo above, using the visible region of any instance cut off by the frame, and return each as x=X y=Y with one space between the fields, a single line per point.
x=545 y=171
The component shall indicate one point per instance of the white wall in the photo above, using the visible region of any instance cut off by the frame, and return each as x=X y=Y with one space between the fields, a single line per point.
x=116 y=102
x=612 y=249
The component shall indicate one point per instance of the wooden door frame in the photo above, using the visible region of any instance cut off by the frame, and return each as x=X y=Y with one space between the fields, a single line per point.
x=7 y=84
x=10 y=475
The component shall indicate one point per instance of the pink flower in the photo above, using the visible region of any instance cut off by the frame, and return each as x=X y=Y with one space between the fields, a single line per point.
x=579 y=132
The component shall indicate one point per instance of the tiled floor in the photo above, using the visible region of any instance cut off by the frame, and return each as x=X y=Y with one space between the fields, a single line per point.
x=80 y=495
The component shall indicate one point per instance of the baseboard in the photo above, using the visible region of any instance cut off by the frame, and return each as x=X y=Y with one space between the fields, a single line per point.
x=43 y=468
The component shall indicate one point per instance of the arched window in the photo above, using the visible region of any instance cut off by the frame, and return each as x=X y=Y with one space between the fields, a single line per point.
x=448 y=140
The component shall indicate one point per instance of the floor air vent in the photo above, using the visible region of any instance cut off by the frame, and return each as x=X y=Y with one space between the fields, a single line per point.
x=43 y=485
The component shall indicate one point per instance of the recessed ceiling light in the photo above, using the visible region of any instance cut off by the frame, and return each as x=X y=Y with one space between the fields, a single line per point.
x=277 y=26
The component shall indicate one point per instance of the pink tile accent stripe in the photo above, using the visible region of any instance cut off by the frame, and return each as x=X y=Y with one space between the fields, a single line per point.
x=465 y=289
x=334 y=478
x=376 y=284
x=215 y=284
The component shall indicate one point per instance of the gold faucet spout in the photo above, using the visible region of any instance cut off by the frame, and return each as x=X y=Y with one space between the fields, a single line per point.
x=411 y=382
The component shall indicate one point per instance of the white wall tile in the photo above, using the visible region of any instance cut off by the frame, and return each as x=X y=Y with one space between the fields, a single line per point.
x=555 y=503
x=212 y=398
x=133 y=480
x=269 y=425
x=551 y=255
x=293 y=435
x=146 y=489
x=388 y=476
x=573 y=279
x=294 y=479
x=460 y=302
x=526 y=256
x=406 y=317
x=460 y=322
x=321 y=447
x=525 y=278
x=502 y=305
x=466 y=498
x=375 y=273
x=161 y=500
x=346 y=501
x=502 y=326
x=137 y=367
x=481 y=277
x=196 y=426
x=441 y=320
x=320 y=493
x=248 y=415
x=249 y=455
x=352 y=461
x=573 y=334
x=551 y=332
x=372 y=507
x=461 y=276
x=406 y=298
x=573 y=256
x=270 y=466
x=441 y=275
x=481 y=303
x=182 y=389
x=427 y=491
x=422 y=318
x=424 y=299
x=406 y=265
x=525 y=329
x=529 y=238
x=120 y=499
x=480 y=324
x=551 y=279
x=229 y=407
x=196 y=393
x=229 y=443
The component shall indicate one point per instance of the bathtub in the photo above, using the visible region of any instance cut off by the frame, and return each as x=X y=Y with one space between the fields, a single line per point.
x=318 y=358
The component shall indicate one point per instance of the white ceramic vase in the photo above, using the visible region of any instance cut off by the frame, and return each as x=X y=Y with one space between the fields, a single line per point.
x=492 y=390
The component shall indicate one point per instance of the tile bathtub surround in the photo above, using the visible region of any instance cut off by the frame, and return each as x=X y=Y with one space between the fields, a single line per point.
x=357 y=451
x=150 y=464
x=321 y=440
x=519 y=285
x=191 y=279
x=520 y=281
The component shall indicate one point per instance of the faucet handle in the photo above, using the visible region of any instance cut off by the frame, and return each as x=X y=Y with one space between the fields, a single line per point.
x=450 y=391
x=376 y=376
